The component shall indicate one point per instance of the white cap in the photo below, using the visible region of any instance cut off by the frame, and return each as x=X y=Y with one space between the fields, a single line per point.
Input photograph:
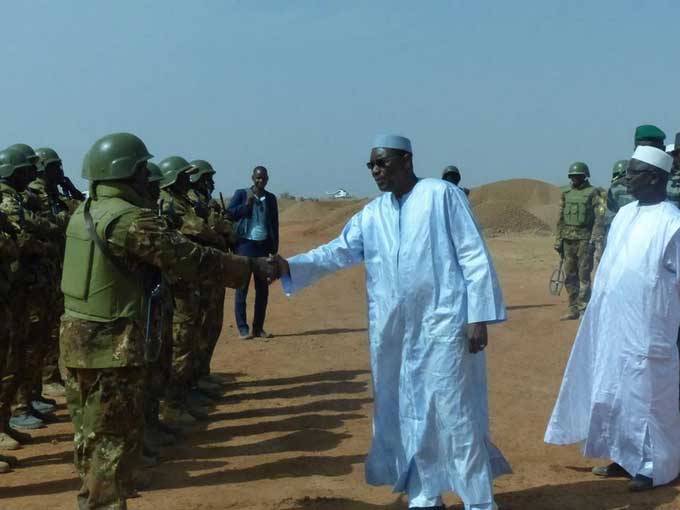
x=653 y=156
x=670 y=148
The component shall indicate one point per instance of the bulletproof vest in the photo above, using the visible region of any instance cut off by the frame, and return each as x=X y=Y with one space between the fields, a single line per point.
x=620 y=195
x=673 y=187
x=94 y=287
x=578 y=209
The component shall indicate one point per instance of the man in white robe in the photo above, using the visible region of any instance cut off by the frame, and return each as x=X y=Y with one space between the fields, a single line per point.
x=432 y=289
x=619 y=395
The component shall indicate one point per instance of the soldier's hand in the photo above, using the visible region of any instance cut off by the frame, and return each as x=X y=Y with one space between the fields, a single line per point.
x=559 y=248
x=70 y=189
x=478 y=336
x=265 y=268
x=282 y=264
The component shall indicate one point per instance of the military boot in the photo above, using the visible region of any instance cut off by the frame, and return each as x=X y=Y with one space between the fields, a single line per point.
x=205 y=385
x=21 y=437
x=43 y=407
x=9 y=459
x=198 y=398
x=197 y=412
x=571 y=315
x=23 y=419
x=156 y=437
x=54 y=390
x=8 y=443
x=175 y=415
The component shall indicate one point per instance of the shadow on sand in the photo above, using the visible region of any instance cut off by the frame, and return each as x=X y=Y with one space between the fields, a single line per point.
x=329 y=331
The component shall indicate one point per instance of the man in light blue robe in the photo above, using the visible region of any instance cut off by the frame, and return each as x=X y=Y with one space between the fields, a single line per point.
x=432 y=289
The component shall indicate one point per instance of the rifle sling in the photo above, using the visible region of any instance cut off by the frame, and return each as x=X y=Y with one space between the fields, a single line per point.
x=101 y=244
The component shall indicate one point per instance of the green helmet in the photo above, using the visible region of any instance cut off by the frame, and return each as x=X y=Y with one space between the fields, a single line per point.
x=204 y=168
x=114 y=156
x=619 y=168
x=27 y=151
x=579 y=168
x=46 y=156
x=171 y=167
x=11 y=160
x=155 y=173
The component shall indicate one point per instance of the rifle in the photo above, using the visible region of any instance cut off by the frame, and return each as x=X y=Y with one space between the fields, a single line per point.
x=557 y=277
x=158 y=310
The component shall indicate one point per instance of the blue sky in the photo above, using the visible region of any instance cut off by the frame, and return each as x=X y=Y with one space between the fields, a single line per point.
x=503 y=89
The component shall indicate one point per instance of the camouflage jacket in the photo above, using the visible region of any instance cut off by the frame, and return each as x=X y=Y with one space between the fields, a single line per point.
x=590 y=229
x=139 y=238
x=217 y=218
x=9 y=256
x=181 y=213
x=35 y=236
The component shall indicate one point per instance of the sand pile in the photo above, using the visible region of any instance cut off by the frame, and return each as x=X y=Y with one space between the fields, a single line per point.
x=516 y=205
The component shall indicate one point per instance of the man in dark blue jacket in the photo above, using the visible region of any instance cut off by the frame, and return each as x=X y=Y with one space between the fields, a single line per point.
x=257 y=214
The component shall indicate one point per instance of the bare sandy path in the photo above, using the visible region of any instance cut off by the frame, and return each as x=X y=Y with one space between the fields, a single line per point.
x=294 y=427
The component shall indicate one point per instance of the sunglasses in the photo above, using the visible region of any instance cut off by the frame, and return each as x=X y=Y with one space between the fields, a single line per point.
x=380 y=162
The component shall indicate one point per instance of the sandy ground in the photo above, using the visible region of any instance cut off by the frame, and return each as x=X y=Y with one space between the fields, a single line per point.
x=294 y=426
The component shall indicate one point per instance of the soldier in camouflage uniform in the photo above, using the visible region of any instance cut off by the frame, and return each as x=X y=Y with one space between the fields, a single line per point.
x=211 y=296
x=60 y=205
x=115 y=248
x=9 y=258
x=40 y=276
x=159 y=363
x=575 y=241
x=177 y=408
x=28 y=230
x=53 y=207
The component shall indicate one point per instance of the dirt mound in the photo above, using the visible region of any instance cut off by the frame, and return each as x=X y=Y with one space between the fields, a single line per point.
x=525 y=193
x=309 y=211
x=501 y=217
x=333 y=222
x=516 y=205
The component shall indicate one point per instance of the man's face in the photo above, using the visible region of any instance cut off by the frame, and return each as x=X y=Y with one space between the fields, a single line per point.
x=23 y=176
x=639 y=179
x=206 y=184
x=183 y=182
x=676 y=159
x=651 y=143
x=452 y=177
x=260 y=179
x=577 y=180
x=54 y=172
x=140 y=180
x=387 y=168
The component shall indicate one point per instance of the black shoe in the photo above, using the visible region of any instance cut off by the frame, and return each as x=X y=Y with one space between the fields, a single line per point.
x=610 y=470
x=640 y=483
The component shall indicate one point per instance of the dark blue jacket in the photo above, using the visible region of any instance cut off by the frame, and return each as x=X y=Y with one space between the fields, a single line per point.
x=239 y=211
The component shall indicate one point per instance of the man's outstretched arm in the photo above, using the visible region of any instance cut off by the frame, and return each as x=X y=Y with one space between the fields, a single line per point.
x=305 y=269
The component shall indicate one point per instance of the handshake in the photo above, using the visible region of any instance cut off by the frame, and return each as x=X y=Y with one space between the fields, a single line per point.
x=270 y=268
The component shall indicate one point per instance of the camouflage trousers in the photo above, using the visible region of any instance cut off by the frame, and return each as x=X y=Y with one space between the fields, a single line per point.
x=185 y=333
x=50 y=371
x=8 y=364
x=578 y=266
x=34 y=345
x=106 y=410
x=212 y=316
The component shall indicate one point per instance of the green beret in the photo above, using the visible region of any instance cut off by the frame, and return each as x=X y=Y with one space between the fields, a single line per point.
x=649 y=132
